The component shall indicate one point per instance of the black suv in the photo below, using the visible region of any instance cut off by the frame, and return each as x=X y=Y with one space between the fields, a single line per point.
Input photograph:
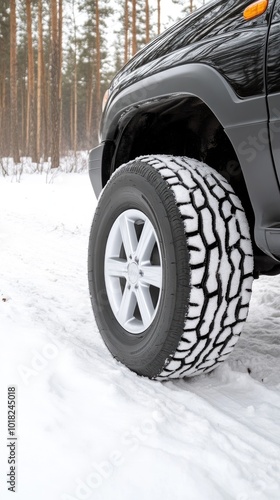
x=190 y=212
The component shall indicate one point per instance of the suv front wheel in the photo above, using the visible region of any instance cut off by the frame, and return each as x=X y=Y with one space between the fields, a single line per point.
x=170 y=267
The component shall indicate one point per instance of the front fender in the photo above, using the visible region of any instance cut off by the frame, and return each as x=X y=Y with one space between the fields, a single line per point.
x=244 y=120
x=199 y=80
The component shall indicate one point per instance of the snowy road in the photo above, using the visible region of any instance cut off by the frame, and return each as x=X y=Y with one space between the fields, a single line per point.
x=87 y=427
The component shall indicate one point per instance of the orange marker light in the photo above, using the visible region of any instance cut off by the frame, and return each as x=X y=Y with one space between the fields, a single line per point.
x=255 y=9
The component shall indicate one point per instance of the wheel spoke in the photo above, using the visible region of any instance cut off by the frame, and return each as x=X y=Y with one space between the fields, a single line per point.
x=128 y=234
x=116 y=267
x=145 y=305
x=127 y=306
x=152 y=275
x=146 y=242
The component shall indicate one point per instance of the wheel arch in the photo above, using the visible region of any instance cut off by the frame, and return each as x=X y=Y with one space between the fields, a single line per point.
x=166 y=102
x=185 y=80
x=177 y=95
x=175 y=113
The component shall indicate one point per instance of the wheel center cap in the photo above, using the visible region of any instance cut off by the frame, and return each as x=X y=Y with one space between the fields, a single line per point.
x=133 y=273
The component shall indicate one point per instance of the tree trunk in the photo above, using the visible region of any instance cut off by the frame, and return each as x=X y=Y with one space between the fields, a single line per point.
x=55 y=82
x=60 y=26
x=147 y=8
x=14 y=150
x=4 y=118
x=89 y=108
x=40 y=63
x=46 y=88
x=74 y=97
x=126 y=31
x=134 y=28
x=22 y=106
x=75 y=110
x=158 y=17
x=98 y=65
x=30 y=112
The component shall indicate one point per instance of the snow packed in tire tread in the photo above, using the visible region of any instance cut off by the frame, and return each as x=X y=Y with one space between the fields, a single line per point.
x=221 y=264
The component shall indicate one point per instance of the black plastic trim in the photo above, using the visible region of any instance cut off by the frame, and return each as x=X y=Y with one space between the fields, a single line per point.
x=95 y=165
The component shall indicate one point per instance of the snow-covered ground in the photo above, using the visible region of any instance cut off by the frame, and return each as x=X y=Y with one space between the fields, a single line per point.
x=87 y=427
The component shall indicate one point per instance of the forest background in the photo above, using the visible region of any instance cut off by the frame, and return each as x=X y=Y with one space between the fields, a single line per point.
x=58 y=58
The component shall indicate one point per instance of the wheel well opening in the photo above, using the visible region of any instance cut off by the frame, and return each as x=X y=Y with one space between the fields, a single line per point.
x=179 y=126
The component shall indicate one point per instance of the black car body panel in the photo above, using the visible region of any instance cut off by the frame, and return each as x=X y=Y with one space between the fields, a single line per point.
x=207 y=36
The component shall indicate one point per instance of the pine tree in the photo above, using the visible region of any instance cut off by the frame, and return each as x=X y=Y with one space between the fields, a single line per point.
x=98 y=65
x=126 y=31
x=31 y=110
x=134 y=27
x=147 y=12
x=13 y=84
x=4 y=78
x=158 y=17
x=40 y=81
x=56 y=38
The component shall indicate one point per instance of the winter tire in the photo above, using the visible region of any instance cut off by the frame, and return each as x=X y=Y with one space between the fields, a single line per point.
x=170 y=267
